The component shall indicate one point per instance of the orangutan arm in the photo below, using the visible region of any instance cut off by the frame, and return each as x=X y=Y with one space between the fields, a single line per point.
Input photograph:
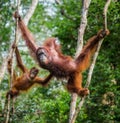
x=43 y=82
x=83 y=60
x=26 y=34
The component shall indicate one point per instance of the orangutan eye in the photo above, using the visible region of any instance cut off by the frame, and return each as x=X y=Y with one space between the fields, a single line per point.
x=57 y=41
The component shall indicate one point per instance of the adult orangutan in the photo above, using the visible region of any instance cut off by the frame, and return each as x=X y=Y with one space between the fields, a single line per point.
x=50 y=57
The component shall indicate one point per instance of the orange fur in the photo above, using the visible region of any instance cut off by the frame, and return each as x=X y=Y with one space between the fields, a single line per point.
x=51 y=58
x=25 y=81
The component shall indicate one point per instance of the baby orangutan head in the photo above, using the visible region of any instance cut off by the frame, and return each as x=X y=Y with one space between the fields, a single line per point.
x=33 y=73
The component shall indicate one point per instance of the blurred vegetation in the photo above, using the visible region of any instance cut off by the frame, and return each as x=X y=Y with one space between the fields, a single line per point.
x=51 y=104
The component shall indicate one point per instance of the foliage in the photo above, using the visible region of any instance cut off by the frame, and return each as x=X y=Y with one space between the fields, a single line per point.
x=51 y=104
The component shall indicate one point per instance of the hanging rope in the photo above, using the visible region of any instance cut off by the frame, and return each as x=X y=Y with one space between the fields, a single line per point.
x=15 y=43
x=11 y=60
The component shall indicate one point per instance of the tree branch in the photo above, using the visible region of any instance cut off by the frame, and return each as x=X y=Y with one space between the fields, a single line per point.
x=30 y=11
x=105 y=14
x=83 y=25
x=81 y=32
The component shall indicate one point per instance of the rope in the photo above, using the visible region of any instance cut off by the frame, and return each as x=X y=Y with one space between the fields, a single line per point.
x=11 y=57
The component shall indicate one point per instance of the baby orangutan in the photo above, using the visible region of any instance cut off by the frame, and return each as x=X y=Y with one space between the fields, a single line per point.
x=26 y=80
